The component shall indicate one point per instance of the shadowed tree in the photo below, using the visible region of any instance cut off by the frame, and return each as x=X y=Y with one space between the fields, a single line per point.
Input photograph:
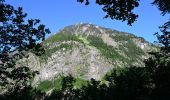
x=123 y=9
x=67 y=92
x=118 y=9
x=131 y=83
x=159 y=66
x=163 y=6
x=28 y=93
x=18 y=36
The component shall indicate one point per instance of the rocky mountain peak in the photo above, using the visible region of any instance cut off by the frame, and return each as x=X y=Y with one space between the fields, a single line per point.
x=86 y=29
x=88 y=51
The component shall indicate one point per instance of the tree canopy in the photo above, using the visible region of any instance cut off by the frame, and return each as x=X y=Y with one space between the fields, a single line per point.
x=123 y=10
x=163 y=6
x=17 y=36
x=118 y=9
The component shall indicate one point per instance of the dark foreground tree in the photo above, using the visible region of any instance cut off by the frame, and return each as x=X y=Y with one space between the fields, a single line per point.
x=159 y=66
x=28 y=93
x=118 y=9
x=123 y=9
x=163 y=6
x=17 y=36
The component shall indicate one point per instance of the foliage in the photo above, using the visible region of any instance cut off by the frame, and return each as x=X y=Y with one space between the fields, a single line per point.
x=164 y=38
x=107 y=51
x=159 y=66
x=28 y=93
x=49 y=51
x=55 y=40
x=118 y=9
x=124 y=84
x=59 y=83
x=50 y=84
x=121 y=37
x=130 y=83
x=163 y=6
x=129 y=47
x=60 y=37
x=16 y=37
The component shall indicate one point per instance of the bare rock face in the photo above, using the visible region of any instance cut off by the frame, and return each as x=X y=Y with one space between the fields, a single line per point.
x=87 y=51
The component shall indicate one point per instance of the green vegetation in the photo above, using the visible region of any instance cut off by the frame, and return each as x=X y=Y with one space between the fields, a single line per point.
x=83 y=39
x=131 y=51
x=60 y=37
x=82 y=70
x=57 y=39
x=57 y=84
x=106 y=50
x=79 y=83
x=129 y=47
x=50 y=84
x=50 y=51
x=119 y=37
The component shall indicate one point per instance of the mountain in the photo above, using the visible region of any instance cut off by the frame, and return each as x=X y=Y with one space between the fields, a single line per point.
x=88 y=51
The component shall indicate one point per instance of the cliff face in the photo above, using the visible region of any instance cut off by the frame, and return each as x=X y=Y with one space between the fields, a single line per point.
x=88 y=51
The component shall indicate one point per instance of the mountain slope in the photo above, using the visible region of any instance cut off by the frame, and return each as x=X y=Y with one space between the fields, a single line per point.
x=88 y=51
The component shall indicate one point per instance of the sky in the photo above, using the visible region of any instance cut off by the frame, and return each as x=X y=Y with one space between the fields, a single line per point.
x=56 y=14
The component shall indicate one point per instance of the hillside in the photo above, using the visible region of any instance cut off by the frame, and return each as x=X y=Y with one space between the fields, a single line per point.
x=88 y=51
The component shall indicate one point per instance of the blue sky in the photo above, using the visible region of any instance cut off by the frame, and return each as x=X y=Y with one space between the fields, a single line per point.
x=56 y=14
